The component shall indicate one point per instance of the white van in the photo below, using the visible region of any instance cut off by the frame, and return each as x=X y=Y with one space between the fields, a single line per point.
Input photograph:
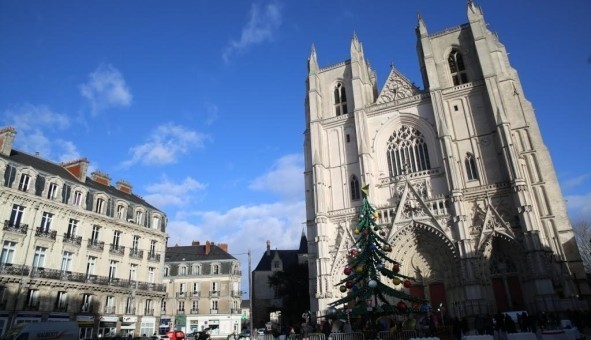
x=66 y=330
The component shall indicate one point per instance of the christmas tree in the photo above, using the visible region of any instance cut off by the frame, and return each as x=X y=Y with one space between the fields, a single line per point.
x=369 y=267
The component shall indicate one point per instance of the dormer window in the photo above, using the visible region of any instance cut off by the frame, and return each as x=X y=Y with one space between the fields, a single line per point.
x=457 y=68
x=155 y=222
x=215 y=269
x=77 y=198
x=52 y=191
x=121 y=211
x=139 y=216
x=340 y=100
x=24 y=183
x=100 y=203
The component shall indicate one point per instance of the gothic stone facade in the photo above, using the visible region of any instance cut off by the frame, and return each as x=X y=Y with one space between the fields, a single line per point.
x=458 y=172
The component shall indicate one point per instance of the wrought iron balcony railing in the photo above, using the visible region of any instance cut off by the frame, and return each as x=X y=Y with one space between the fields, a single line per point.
x=72 y=239
x=46 y=233
x=95 y=244
x=136 y=253
x=116 y=249
x=153 y=257
x=20 y=228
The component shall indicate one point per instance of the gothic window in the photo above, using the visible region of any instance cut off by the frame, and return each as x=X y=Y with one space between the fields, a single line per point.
x=457 y=68
x=340 y=100
x=355 y=193
x=407 y=152
x=470 y=163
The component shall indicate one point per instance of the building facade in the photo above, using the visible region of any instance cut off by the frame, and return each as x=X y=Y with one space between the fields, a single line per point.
x=76 y=248
x=266 y=300
x=202 y=289
x=458 y=172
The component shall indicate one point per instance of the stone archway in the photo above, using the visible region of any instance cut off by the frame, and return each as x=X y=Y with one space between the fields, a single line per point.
x=426 y=254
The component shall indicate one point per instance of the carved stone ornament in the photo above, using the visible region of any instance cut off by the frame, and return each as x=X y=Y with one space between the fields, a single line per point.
x=397 y=87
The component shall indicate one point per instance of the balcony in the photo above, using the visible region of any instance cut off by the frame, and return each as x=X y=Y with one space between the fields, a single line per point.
x=116 y=249
x=72 y=239
x=235 y=311
x=214 y=293
x=46 y=273
x=149 y=312
x=19 y=228
x=213 y=311
x=236 y=293
x=130 y=311
x=136 y=253
x=95 y=245
x=110 y=310
x=14 y=269
x=153 y=257
x=194 y=311
x=180 y=312
x=182 y=294
x=45 y=233
x=196 y=294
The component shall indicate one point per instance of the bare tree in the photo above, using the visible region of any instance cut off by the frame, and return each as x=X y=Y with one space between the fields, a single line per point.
x=583 y=236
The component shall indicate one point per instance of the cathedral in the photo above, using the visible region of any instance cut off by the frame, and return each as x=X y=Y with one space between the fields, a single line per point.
x=458 y=172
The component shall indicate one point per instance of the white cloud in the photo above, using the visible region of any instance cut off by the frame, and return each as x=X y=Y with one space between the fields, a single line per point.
x=68 y=151
x=243 y=228
x=262 y=25
x=165 y=145
x=33 y=123
x=579 y=207
x=575 y=182
x=286 y=178
x=106 y=88
x=167 y=193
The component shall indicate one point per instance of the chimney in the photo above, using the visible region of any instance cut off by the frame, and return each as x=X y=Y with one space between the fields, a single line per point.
x=101 y=177
x=223 y=246
x=77 y=168
x=124 y=186
x=268 y=247
x=207 y=247
x=195 y=243
x=6 y=140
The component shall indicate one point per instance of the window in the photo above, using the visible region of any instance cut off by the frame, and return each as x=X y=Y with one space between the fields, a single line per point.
x=110 y=305
x=33 y=298
x=52 y=191
x=182 y=270
x=138 y=217
x=94 y=237
x=215 y=269
x=121 y=212
x=132 y=272
x=39 y=258
x=156 y=222
x=67 y=261
x=457 y=68
x=61 y=302
x=407 y=152
x=7 y=252
x=99 y=206
x=152 y=247
x=194 y=306
x=151 y=274
x=182 y=288
x=181 y=306
x=195 y=287
x=348 y=138
x=90 y=265
x=163 y=305
x=148 y=310
x=355 y=192
x=86 y=303
x=24 y=183
x=196 y=269
x=135 y=245
x=340 y=100
x=77 y=198
x=116 y=238
x=113 y=270
x=214 y=304
x=16 y=215
x=129 y=306
x=214 y=287
x=46 y=221
x=470 y=163
x=166 y=271
x=72 y=228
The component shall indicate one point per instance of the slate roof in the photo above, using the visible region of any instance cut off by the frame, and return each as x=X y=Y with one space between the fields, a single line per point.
x=196 y=253
x=288 y=257
x=48 y=167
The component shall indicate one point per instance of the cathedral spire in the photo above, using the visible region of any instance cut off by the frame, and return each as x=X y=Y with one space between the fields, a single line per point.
x=421 y=27
x=312 y=61
x=474 y=11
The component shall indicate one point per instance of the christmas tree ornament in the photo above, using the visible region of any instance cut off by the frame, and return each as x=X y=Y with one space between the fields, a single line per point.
x=349 y=284
x=407 y=284
x=396 y=267
x=401 y=306
x=396 y=281
x=372 y=283
x=347 y=271
x=343 y=289
x=359 y=268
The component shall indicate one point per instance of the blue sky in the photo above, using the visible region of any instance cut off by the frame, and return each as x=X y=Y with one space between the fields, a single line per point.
x=200 y=104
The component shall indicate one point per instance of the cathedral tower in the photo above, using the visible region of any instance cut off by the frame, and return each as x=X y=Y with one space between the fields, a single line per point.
x=458 y=172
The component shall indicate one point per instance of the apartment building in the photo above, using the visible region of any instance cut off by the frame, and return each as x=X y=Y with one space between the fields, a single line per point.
x=202 y=289
x=76 y=247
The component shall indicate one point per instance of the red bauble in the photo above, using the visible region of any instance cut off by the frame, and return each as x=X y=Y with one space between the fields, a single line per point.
x=353 y=252
x=347 y=271
x=407 y=283
x=382 y=233
x=401 y=306
x=365 y=231
x=349 y=284
x=396 y=267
